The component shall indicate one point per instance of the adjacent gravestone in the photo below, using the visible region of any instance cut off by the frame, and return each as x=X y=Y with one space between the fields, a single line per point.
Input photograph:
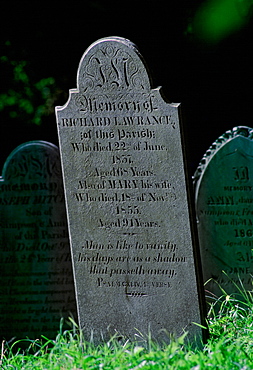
x=37 y=286
x=224 y=207
x=127 y=205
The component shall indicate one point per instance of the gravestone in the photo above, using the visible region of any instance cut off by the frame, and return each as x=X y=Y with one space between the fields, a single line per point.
x=127 y=202
x=224 y=208
x=37 y=287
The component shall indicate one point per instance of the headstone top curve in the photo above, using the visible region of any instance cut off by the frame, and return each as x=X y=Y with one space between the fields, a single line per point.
x=114 y=64
x=25 y=149
x=238 y=131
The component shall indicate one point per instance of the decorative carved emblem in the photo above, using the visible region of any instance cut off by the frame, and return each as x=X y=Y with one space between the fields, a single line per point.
x=33 y=160
x=110 y=68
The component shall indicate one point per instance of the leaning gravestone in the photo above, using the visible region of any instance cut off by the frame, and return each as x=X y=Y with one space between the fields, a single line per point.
x=224 y=207
x=37 y=286
x=127 y=203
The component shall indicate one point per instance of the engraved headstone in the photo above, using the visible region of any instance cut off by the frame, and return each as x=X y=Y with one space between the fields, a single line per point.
x=224 y=208
x=37 y=286
x=128 y=213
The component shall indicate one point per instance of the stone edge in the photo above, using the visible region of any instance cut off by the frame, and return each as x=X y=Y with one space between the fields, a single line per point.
x=244 y=131
x=40 y=143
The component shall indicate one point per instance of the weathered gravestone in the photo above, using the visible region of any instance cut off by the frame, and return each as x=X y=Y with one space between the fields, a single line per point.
x=128 y=213
x=224 y=207
x=37 y=286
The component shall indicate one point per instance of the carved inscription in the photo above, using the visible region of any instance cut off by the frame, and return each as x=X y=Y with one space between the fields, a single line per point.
x=131 y=190
x=125 y=187
x=37 y=280
x=225 y=214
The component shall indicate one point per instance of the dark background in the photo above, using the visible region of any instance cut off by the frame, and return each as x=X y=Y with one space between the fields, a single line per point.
x=213 y=82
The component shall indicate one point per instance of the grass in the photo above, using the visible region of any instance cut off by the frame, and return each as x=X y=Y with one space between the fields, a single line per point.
x=230 y=322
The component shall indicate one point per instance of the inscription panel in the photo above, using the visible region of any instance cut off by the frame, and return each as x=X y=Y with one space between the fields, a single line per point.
x=37 y=286
x=224 y=186
x=126 y=198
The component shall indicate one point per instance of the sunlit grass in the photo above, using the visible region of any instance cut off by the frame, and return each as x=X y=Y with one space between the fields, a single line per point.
x=229 y=346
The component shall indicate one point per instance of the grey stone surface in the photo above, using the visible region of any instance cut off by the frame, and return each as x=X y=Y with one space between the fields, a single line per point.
x=224 y=184
x=126 y=196
x=37 y=287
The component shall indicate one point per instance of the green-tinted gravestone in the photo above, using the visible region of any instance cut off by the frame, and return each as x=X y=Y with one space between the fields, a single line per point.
x=224 y=207
x=36 y=273
x=127 y=205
